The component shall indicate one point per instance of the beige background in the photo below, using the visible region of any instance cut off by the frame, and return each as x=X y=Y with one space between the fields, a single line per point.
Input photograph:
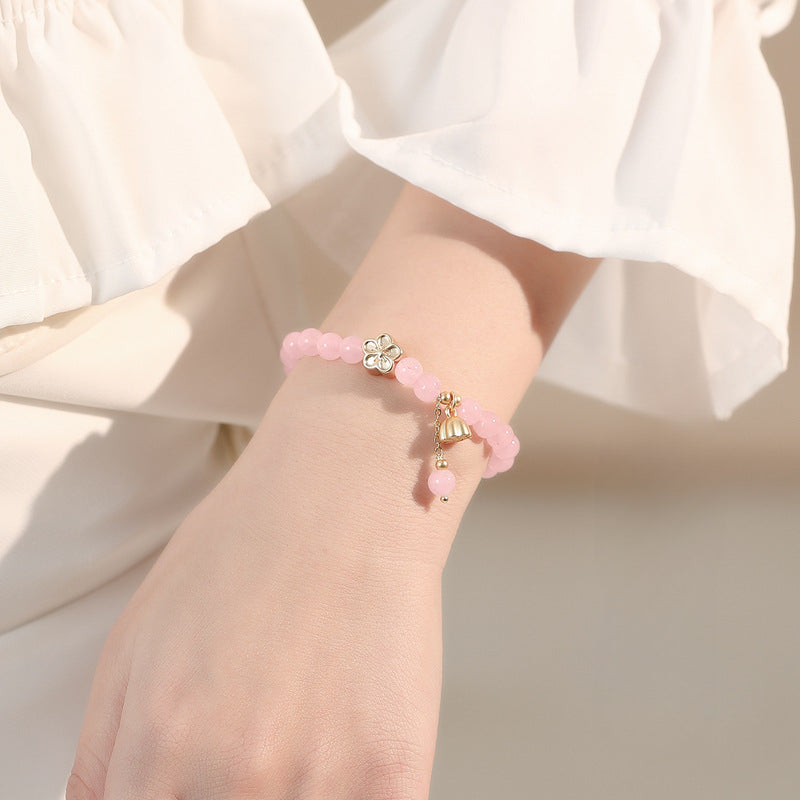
x=621 y=609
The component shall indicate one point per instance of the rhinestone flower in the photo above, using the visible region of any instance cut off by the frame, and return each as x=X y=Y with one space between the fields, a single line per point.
x=381 y=353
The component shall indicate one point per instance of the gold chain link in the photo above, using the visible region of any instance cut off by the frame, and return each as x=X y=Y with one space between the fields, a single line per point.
x=437 y=447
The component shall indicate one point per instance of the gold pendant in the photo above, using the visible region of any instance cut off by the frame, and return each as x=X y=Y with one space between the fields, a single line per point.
x=452 y=428
x=449 y=430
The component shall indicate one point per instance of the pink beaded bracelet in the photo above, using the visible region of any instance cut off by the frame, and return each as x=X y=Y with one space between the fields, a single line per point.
x=383 y=355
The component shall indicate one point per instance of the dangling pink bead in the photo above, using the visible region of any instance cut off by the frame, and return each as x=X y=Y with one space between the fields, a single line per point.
x=441 y=482
x=329 y=346
x=427 y=387
x=502 y=437
x=308 y=341
x=469 y=410
x=351 y=349
x=407 y=370
x=508 y=450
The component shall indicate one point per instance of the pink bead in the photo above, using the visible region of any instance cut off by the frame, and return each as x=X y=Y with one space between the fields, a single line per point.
x=287 y=358
x=502 y=437
x=407 y=370
x=329 y=346
x=291 y=344
x=509 y=450
x=351 y=349
x=487 y=425
x=288 y=362
x=500 y=464
x=427 y=387
x=489 y=472
x=308 y=341
x=469 y=410
x=441 y=482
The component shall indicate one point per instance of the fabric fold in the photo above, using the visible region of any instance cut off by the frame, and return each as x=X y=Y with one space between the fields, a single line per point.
x=124 y=162
x=649 y=135
x=655 y=141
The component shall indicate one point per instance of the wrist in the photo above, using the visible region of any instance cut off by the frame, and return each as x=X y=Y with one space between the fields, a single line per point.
x=338 y=441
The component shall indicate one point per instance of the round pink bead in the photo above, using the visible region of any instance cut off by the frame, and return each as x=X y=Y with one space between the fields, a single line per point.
x=509 y=450
x=487 y=425
x=351 y=350
x=502 y=437
x=288 y=359
x=469 y=410
x=329 y=346
x=489 y=472
x=500 y=464
x=441 y=482
x=308 y=341
x=427 y=387
x=407 y=370
x=291 y=344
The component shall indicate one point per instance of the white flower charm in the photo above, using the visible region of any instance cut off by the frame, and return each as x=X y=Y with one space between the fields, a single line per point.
x=381 y=353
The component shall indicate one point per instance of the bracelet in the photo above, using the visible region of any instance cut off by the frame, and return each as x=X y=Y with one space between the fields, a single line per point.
x=383 y=356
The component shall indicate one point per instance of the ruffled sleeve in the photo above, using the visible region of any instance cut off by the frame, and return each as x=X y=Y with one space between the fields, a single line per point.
x=117 y=161
x=648 y=134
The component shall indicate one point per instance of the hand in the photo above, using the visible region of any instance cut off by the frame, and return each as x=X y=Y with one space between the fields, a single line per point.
x=284 y=645
x=287 y=642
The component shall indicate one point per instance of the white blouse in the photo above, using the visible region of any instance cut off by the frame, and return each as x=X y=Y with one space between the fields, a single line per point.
x=136 y=133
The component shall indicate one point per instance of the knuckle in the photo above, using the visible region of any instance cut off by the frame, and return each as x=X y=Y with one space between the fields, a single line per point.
x=253 y=766
x=166 y=718
x=395 y=771
x=151 y=743
x=159 y=746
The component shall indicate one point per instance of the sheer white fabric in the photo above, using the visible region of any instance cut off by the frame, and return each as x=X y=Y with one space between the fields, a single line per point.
x=138 y=132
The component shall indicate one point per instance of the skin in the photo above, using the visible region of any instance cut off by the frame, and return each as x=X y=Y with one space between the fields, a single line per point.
x=287 y=643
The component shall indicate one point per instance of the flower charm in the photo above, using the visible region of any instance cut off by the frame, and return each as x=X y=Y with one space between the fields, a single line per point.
x=381 y=353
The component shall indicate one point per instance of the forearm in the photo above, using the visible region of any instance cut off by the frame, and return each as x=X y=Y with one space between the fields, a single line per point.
x=476 y=305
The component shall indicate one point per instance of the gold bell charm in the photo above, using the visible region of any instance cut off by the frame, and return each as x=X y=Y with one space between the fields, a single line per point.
x=452 y=428
x=446 y=431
